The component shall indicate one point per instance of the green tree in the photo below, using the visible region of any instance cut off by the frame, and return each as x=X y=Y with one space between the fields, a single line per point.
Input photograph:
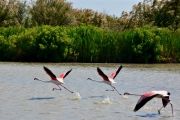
x=12 y=12
x=90 y=17
x=50 y=44
x=162 y=13
x=173 y=7
x=52 y=12
x=22 y=12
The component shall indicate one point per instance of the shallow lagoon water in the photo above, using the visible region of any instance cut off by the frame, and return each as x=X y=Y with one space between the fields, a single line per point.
x=22 y=98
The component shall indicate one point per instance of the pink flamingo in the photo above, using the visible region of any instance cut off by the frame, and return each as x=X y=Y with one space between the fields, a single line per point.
x=56 y=80
x=147 y=96
x=108 y=80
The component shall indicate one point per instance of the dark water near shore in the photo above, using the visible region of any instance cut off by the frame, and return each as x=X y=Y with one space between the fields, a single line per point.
x=22 y=98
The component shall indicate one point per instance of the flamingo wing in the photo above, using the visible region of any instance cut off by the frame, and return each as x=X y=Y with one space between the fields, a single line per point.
x=165 y=100
x=67 y=73
x=116 y=73
x=105 y=77
x=143 y=100
x=49 y=72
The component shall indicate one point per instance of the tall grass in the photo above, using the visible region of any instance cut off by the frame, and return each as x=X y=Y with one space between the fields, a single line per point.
x=89 y=44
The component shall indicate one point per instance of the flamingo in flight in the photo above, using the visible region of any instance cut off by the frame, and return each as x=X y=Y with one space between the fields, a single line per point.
x=147 y=96
x=56 y=80
x=108 y=79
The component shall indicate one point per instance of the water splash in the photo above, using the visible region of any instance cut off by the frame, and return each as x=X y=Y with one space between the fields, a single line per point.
x=106 y=100
x=125 y=96
x=76 y=96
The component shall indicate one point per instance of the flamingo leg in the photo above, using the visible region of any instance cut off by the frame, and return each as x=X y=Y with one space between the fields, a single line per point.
x=57 y=88
x=110 y=90
x=67 y=89
x=160 y=110
x=115 y=89
x=172 y=109
x=110 y=85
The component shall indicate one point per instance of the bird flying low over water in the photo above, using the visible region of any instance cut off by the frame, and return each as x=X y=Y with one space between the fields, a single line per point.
x=56 y=80
x=147 y=96
x=108 y=79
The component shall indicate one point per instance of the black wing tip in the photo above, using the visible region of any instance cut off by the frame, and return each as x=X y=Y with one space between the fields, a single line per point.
x=45 y=67
x=98 y=69
x=134 y=110
x=120 y=67
x=69 y=70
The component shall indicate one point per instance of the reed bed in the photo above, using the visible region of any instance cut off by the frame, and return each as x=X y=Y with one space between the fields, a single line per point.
x=89 y=44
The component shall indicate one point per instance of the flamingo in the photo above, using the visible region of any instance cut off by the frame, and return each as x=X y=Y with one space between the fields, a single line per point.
x=147 y=96
x=56 y=80
x=108 y=79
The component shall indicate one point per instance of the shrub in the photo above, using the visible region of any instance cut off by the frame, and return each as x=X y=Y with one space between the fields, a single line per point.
x=141 y=45
x=50 y=44
x=89 y=44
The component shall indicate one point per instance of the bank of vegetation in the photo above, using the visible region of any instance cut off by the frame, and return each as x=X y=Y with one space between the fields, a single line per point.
x=53 y=31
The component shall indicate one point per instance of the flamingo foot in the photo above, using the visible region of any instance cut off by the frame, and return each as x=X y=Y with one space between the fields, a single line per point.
x=159 y=112
x=109 y=90
x=55 y=89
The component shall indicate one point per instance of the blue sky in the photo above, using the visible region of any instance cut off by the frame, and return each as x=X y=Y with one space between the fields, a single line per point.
x=111 y=7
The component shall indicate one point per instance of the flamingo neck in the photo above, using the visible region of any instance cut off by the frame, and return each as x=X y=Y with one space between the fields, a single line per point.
x=41 y=80
x=60 y=80
x=112 y=80
x=95 y=80
x=126 y=93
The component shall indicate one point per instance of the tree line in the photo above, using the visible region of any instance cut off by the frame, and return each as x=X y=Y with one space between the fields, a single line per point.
x=89 y=44
x=54 y=31
x=161 y=13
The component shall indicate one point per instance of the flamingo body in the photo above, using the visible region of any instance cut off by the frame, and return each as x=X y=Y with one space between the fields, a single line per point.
x=56 y=80
x=61 y=75
x=109 y=79
x=164 y=95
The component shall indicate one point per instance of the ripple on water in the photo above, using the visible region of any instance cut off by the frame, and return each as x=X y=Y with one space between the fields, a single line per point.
x=41 y=98
x=23 y=98
x=149 y=115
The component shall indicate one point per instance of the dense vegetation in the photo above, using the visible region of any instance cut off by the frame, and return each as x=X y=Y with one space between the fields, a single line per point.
x=89 y=44
x=52 y=31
